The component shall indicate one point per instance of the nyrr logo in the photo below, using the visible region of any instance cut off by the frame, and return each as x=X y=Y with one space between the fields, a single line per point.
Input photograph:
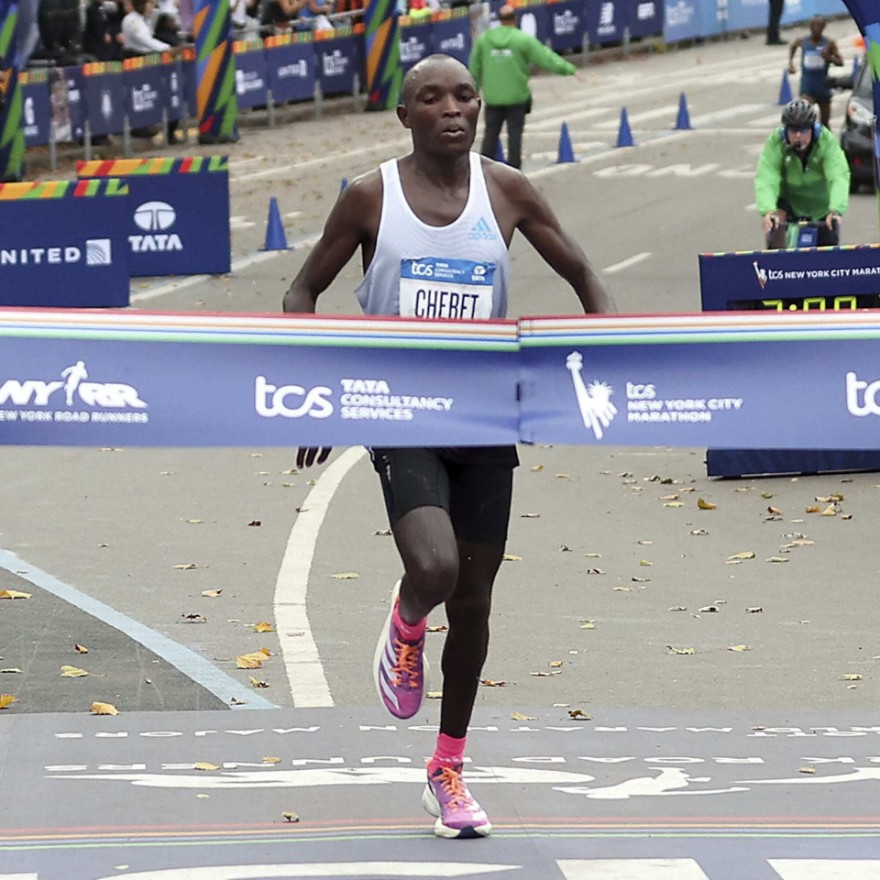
x=761 y=274
x=594 y=401
x=856 y=388
x=153 y=218
x=270 y=401
x=34 y=392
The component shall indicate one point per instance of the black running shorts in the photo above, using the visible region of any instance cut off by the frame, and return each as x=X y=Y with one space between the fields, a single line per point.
x=473 y=485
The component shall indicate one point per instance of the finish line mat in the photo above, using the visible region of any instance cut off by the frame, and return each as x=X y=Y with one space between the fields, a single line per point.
x=625 y=795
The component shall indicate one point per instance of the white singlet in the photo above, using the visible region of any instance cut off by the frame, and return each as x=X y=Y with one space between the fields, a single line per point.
x=421 y=271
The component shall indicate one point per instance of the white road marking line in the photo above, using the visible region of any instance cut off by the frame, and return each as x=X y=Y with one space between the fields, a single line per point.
x=625 y=264
x=318 y=869
x=293 y=214
x=826 y=869
x=636 y=118
x=632 y=869
x=237 y=163
x=729 y=113
x=305 y=673
x=183 y=659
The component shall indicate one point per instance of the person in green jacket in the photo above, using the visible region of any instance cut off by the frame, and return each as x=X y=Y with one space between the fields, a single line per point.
x=499 y=64
x=802 y=175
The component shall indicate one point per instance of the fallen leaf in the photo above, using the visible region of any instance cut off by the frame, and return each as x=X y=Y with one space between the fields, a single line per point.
x=561 y=705
x=204 y=766
x=645 y=562
x=530 y=516
x=103 y=709
x=669 y=497
x=256 y=455
x=595 y=571
x=255 y=522
x=562 y=476
x=766 y=494
x=738 y=648
x=434 y=695
x=346 y=575
x=492 y=684
x=11 y=670
x=625 y=474
x=852 y=676
x=678 y=608
x=564 y=548
x=518 y=716
x=263 y=627
x=757 y=609
x=194 y=618
x=699 y=532
x=541 y=674
x=623 y=589
x=186 y=566
x=81 y=649
x=7 y=699
x=709 y=609
x=290 y=472
x=774 y=511
x=807 y=770
x=705 y=505
x=846 y=516
x=509 y=557
x=203 y=796
x=291 y=817
x=674 y=504
x=14 y=594
x=555 y=664
x=733 y=562
x=645 y=542
x=195 y=522
x=236 y=702
x=637 y=580
x=211 y=594
x=255 y=682
x=778 y=559
x=250 y=661
x=166 y=473
x=384 y=532
x=437 y=629
x=831 y=510
x=577 y=713
x=288 y=485
x=826 y=498
x=271 y=760
x=588 y=625
x=538 y=467
x=813 y=510
x=680 y=650
x=746 y=554
x=72 y=672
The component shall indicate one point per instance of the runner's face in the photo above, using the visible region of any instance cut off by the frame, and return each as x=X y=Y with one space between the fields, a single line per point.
x=443 y=109
x=817 y=26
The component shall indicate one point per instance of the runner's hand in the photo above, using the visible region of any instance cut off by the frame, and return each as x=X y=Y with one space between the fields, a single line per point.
x=306 y=455
x=791 y=68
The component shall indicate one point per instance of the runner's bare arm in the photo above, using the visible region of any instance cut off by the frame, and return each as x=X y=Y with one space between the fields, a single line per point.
x=833 y=54
x=539 y=225
x=347 y=227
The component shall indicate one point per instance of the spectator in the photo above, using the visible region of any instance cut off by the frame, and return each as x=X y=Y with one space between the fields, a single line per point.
x=245 y=19
x=773 y=19
x=98 y=38
x=500 y=66
x=313 y=14
x=278 y=14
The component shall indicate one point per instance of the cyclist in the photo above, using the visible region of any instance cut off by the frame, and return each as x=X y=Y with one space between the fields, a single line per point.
x=802 y=175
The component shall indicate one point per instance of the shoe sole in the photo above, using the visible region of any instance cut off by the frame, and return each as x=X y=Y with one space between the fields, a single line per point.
x=432 y=808
x=377 y=657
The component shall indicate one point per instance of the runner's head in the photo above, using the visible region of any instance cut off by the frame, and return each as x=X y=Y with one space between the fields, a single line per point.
x=799 y=117
x=817 y=26
x=440 y=106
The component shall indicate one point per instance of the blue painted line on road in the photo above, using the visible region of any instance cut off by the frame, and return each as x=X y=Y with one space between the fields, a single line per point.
x=192 y=665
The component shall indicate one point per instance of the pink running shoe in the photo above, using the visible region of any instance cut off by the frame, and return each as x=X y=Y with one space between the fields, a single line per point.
x=458 y=814
x=400 y=667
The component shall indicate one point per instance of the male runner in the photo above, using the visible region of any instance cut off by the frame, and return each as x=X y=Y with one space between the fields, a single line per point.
x=449 y=508
x=817 y=52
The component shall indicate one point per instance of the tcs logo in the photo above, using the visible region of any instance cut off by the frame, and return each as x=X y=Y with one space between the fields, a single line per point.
x=291 y=401
x=640 y=392
x=422 y=269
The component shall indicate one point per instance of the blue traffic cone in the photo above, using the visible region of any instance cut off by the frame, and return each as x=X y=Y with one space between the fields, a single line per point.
x=566 y=153
x=276 y=240
x=683 y=123
x=855 y=69
x=785 y=89
x=624 y=135
x=499 y=153
x=344 y=184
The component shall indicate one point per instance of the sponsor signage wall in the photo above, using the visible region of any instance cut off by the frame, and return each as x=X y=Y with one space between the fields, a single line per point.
x=103 y=96
x=291 y=62
x=453 y=37
x=146 y=90
x=336 y=58
x=567 y=26
x=178 y=221
x=606 y=20
x=416 y=41
x=645 y=17
x=63 y=244
x=251 y=74
x=148 y=379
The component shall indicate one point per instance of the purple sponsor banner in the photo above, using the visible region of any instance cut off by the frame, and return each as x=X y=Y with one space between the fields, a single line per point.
x=818 y=279
x=416 y=43
x=104 y=100
x=146 y=94
x=567 y=25
x=606 y=20
x=251 y=78
x=453 y=37
x=97 y=392
x=292 y=71
x=669 y=387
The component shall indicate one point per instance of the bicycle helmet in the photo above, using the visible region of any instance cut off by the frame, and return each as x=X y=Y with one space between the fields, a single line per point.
x=799 y=113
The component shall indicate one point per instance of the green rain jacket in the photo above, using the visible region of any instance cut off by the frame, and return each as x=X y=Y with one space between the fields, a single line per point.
x=812 y=191
x=500 y=64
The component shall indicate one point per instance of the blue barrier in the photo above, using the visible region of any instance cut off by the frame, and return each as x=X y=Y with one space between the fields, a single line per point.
x=251 y=74
x=337 y=64
x=103 y=97
x=291 y=68
x=146 y=91
x=645 y=18
x=416 y=41
x=63 y=244
x=606 y=21
x=36 y=107
x=453 y=37
x=178 y=218
x=568 y=25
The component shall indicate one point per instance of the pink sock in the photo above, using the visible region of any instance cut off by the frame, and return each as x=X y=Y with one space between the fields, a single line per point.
x=449 y=752
x=412 y=632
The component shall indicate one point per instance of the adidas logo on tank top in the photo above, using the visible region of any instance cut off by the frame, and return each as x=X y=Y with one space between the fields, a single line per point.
x=482 y=231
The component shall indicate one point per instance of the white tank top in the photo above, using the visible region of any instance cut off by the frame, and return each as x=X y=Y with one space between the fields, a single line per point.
x=455 y=271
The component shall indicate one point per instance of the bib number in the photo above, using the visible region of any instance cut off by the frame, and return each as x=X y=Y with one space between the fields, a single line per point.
x=452 y=289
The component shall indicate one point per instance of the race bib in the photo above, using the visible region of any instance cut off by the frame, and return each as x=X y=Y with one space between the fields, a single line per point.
x=814 y=62
x=435 y=288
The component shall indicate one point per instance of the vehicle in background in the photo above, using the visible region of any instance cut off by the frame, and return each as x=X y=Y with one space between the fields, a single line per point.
x=857 y=134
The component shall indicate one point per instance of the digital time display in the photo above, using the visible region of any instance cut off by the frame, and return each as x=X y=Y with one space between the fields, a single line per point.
x=808 y=304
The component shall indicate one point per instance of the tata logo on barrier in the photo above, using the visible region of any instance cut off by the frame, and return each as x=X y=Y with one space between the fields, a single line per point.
x=35 y=392
x=594 y=401
x=99 y=252
x=270 y=400
x=153 y=218
x=857 y=388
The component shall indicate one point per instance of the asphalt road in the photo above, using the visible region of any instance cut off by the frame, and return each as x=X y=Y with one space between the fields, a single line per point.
x=597 y=541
